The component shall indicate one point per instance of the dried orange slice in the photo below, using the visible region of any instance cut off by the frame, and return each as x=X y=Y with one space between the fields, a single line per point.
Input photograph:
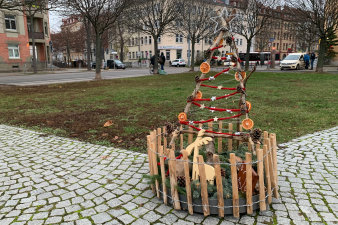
x=108 y=123
x=243 y=74
x=182 y=117
x=199 y=95
x=247 y=124
x=205 y=67
x=248 y=105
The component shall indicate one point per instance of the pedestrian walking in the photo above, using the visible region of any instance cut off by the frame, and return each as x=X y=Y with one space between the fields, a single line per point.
x=162 y=60
x=312 y=58
x=307 y=61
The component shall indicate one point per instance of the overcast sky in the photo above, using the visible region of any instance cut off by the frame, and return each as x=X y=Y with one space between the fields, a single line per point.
x=54 y=21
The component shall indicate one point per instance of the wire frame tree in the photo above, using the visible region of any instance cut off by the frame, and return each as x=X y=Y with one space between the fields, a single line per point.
x=322 y=14
x=195 y=23
x=252 y=19
x=102 y=15
x=155 y=18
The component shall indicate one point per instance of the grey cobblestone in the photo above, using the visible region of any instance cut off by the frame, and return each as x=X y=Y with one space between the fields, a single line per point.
x=63 y=181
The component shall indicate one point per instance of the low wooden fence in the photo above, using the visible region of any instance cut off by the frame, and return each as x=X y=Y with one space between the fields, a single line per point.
x=267 y=184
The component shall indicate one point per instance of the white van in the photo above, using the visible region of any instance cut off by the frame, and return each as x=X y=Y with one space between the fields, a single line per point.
x=293 y=61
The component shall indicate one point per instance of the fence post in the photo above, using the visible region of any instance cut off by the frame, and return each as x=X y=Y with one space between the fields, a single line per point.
x=204 y=186
x=219 y=185
x=164 y=187
x=267 y=171
x=260 y=167
x=248 y=161
x=234 y=181
x=230 y=139
x=187 y=181
x=173 y=180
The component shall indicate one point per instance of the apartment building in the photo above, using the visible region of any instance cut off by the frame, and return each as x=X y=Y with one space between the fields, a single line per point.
x=173 y=46
x=16 y=50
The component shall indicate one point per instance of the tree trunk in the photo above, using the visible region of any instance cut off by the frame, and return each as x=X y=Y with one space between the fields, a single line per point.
x=193 y=42
x=247 y=55
x=321 y=55
x=121 y=43
x=35 y=69
x=98 y=57
x=156 y=54
x=88 y=43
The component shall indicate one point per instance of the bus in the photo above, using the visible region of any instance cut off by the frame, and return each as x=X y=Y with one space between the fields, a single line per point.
x=259 y=58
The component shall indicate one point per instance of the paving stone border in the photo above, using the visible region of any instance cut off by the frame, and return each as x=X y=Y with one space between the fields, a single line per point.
x=54 y=180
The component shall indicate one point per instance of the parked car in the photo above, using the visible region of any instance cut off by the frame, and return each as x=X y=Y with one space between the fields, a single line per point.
x=115 y=64
x=178 y=62
x=293 y=61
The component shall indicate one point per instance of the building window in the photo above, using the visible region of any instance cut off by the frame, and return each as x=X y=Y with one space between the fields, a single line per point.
x=142 y=55
x=46 y=28
x=132 y=42
x=146 y=40
x=13 y=51
x=178 y=54
x=167 y=54
x=133 y=55
x=150 y=54
x=141 y=40
x=240 y=41
x=10 y=22
x=198 y=40
x=150 y=40
x=277 y=46
x=179 y=38
x=159 y=39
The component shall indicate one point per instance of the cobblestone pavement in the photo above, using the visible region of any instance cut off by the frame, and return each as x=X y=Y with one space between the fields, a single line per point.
x=53 y=180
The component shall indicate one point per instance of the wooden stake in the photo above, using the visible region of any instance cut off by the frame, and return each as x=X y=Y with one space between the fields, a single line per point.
x=220 y=127
x=219 y=186
x=154 y=157
x=240 y=130
x=173 y=181
x=271 y=166
x=260 y=167
x=165 y=141
x=187 y=182
x=204 y=186
x=230 y=139
x=267 y=172
x=164 y=187
x=234 y=181
x=190 y=136
x=181 y=138
x=210 y=126
x=248 y=160
x=274 y=160
x=150 y=160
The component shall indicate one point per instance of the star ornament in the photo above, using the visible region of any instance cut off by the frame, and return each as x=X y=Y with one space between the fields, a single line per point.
x=217 y=19
x=219 y=87
x=202 y=106
x=213 y=98
x=215 y=119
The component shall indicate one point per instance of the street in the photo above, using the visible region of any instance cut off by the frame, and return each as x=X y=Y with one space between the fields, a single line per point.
x=78 y=75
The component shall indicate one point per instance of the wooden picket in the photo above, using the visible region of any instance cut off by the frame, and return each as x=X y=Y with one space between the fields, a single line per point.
x=266 y=170
x=248 y=161
x=230 y=140
x=219 y=186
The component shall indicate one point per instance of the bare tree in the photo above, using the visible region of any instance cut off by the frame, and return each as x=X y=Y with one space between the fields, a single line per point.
x=251 y=20
x=323 y=15
x=102 y=14
x=195 y=23
x=155 y=18
x=306 y=35
x=69 y=41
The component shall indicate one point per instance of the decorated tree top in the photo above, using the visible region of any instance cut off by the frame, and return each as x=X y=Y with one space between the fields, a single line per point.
x=197 y=102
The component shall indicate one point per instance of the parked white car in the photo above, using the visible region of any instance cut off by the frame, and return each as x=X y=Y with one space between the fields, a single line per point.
x=178 y=62
x=293 y=61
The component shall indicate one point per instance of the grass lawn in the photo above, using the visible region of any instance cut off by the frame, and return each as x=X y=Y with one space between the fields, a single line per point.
x=288 y=104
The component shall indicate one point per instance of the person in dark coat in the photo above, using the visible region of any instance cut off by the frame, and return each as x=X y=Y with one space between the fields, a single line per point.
x=307 y=61
x=312 y=58
x=162 y=60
